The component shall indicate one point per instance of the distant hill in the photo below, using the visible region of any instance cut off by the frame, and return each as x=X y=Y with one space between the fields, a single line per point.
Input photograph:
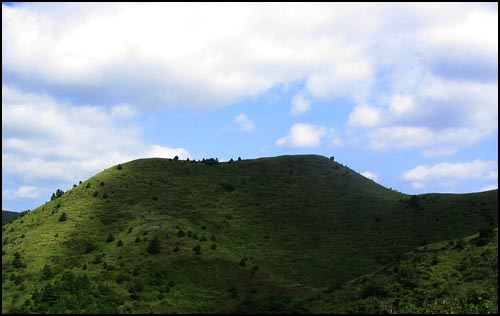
x=261 y=235
x=8 y=216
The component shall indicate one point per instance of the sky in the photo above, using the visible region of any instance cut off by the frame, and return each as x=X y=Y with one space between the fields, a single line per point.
x=404 y=93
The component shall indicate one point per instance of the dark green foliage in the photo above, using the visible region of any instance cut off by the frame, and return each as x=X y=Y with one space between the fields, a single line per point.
x=197 y=250
x=119 y=167
x=120 y=243
x=47 y=272
x=105 y=195
x=98 y=259
x=102 y=183
x=17 y=262
x=74 y=185
x=202 y=239
x=176 y=248
x=242 y=263
x=213 y=247
x=137 y=239
x=176 y=158
x=63 y=217
x=110 y=238
x=181 y=233
x=213 y=238
x=87 y=185
x=89 y=247
x=95 y=194
x=485 y=236
x=154 y=245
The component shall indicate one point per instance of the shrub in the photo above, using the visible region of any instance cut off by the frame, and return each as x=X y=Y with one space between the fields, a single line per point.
x=96 y=193
x=213 y=247
x=110 y=238
x=213 y=238
x=181 y=233
x=154 y=245
x=242 y=263
x=63 y=217
x=203 y=238
x=120 y=243
x=17 y=262
x=137 y=239
x=176 y=248
x=47 y=273
x=105 y=195
x=102 y=183
x=87 y=185
x=197 y=249
x=119 y=167
x=176 y=158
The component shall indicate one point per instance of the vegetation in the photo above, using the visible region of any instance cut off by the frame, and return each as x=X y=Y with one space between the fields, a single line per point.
x=308 y=223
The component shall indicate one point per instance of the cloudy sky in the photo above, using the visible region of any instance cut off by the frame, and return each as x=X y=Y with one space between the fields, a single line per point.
x=406 y=94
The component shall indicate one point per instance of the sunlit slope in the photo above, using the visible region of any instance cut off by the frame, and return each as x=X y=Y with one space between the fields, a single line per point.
x=302 y=220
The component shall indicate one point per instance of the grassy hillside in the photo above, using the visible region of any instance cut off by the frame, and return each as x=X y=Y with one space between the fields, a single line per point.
x=281 y=227
x=8 y=216
x=454 y=277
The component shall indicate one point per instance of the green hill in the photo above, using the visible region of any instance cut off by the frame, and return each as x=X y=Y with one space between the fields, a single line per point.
x=8 y=216
x=283 y=228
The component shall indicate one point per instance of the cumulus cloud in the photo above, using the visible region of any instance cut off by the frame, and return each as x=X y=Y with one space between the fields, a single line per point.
x=244 y=123
x=165 y=55
x=300 y=105
x=370 y=175
x=303 y=135
x=364 y=116
x=449 y=174
x=23 y=192
x=46 y=140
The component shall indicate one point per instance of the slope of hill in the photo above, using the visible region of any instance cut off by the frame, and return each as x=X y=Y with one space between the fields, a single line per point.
x=8 y=216
x=453 y=277
x=270 y=230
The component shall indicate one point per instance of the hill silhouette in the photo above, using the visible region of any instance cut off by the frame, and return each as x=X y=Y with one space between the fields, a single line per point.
x=270 y=230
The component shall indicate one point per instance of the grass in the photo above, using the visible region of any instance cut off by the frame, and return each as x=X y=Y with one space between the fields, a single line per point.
x=308 y=223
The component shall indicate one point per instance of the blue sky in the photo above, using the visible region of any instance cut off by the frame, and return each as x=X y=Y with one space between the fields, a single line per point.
x=406 y=94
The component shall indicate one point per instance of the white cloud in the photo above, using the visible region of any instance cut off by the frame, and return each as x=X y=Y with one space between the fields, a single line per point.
x=370 y=175
x=23 y=192
x=167 y=54
x=435 y=143
x=157 y=151
x=449 y=174
x=364 y=116
x=492 y=175
x=244 y=123
x=300 y=105
x=123 y=111
x=303 y=135
x=44 y=139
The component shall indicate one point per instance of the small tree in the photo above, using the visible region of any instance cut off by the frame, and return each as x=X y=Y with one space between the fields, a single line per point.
x=120 y=243
x=63 y=217
x=239 y=158
x=119 y=167
x=213 y=247
x=176 y=158
x=197 y=250
x=154 y=245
